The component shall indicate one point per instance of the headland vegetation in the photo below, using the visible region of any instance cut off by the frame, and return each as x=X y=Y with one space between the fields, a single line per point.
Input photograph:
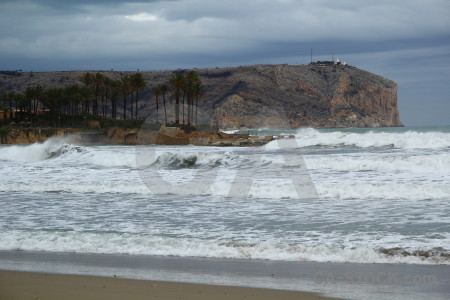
x=115 y=104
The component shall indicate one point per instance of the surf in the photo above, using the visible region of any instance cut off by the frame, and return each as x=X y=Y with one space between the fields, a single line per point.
x=409 y=139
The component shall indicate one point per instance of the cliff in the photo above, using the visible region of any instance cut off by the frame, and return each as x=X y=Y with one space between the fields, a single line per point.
x=284 y=96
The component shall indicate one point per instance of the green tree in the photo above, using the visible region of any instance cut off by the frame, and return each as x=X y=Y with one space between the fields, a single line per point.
x=73 y=97
x=125 y=87
x=4 y=106
x=191 y=82
x=137 y=83
x=88 y=80
x=52 y=100
x=10 y=100
x=157 y=92
x=34 y=95
x=86 y=96
x=163 y=89
x=98 y=82
x=105 y=94
x=115 y=86
x=199 y=89
x=22 y=104
x=177 y=82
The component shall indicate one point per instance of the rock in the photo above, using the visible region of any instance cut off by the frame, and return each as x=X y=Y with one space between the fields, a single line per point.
x=283 y=96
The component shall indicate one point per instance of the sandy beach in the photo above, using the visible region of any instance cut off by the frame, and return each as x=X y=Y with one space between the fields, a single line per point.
x=376 y=229
x=41 y=275
x=27 y=285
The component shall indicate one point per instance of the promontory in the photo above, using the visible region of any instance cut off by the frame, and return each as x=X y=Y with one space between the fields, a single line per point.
x=320 y=95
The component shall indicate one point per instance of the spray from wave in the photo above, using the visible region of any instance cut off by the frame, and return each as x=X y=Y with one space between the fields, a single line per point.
x=51 y=148
x=143 y=244
x=309 y=137
x=176 y=160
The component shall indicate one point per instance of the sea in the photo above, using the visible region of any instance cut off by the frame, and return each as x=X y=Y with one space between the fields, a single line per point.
x=371 y=195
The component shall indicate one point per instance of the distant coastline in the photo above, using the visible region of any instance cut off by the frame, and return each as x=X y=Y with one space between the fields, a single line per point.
x=131 y=136
x=273 y=96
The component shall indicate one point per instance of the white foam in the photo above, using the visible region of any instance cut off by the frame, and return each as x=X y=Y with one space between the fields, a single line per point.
x=405 y=140
x=434 y=163
x=220 y=186
x=77 y=188
x=182 y=158
x=127 y=243
x=30 y=153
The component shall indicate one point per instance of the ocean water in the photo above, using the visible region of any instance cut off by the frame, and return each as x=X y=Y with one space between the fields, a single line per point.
x=340 y=195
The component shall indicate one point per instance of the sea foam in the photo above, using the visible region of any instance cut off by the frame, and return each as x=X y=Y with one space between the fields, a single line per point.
x=405 y=140
x=127 y=243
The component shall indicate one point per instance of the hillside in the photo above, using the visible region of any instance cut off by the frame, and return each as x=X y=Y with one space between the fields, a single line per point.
x=283 y=96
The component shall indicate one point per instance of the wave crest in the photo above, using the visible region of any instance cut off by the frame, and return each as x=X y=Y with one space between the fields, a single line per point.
x=309 y=137
x=119 y=243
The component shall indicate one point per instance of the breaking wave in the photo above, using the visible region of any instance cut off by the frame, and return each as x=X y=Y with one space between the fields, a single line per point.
x=260 y=189
x=176 y=160
x=130 y=243
x=309 y=137
x=52 y=148
x=419 y=164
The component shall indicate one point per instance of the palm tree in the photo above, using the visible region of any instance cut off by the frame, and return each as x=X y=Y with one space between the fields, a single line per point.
x=177 y=81
x=191 y=82
x=163 y=89
x=73 y=93
x=22 y=103
x=126 y=87
x=34 y=94
x=106 y=93
x=157 y=92
x=5 y=106
x=88 y=80
x=199 y=89
x=10 y=97
x=51 y=100
x=115 y=91
x=98 y=82
x=137 y=83
x=85 y=95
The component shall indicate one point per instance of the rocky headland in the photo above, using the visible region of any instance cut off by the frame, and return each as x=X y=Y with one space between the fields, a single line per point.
x=121 y=136
x=278 y=96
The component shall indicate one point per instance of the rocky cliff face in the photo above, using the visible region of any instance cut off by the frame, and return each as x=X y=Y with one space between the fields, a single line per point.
x=306 y=95
x=283 y=96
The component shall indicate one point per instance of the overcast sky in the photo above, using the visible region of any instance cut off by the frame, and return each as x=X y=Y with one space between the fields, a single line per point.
x=406 y=41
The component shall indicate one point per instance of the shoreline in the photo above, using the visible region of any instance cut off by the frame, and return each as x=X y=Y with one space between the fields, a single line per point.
x=368 y=281
x=26 y=285
x=134 y=136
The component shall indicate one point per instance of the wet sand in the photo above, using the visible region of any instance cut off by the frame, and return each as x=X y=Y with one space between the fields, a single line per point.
x=26 y=285
x=137 y=275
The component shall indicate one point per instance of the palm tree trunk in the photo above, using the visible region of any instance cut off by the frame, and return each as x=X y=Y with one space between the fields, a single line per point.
x=196 y=111
x=132 y=101
x=124 y=106
x=137 y=92
x=183 y=107
x=165 y=111
x=157 y=108
x=177 y=111
x=11 y=116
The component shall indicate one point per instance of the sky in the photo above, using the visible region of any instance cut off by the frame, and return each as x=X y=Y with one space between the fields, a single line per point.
x=407 y=41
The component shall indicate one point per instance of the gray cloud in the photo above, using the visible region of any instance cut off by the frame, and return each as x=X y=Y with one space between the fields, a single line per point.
x=391 y=38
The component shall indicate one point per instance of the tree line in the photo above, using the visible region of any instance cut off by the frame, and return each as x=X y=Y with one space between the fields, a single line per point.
x=101 y=96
